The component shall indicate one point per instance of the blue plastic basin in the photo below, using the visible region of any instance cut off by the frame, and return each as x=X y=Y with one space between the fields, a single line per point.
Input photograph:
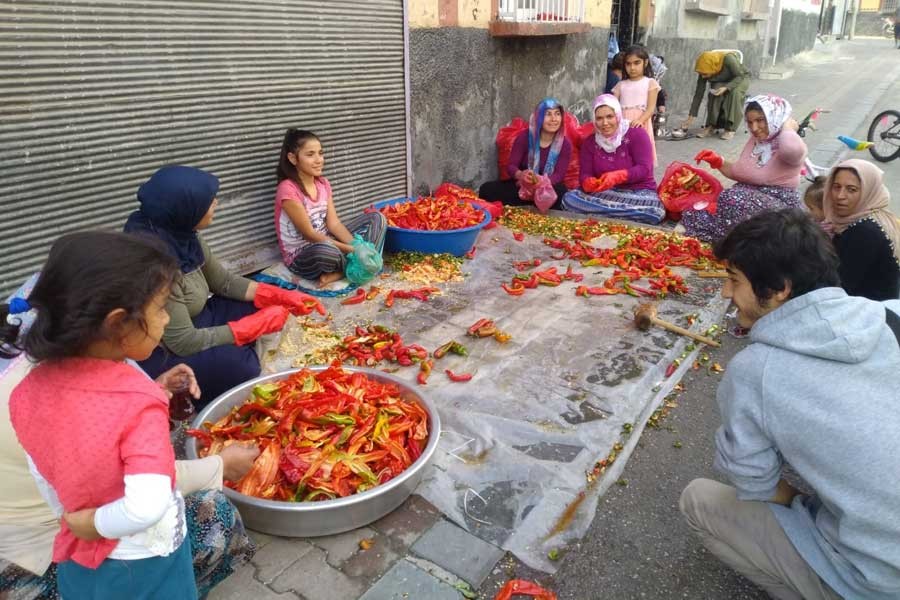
x=453 y=241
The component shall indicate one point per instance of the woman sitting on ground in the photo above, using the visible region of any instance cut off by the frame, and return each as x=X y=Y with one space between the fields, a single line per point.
x=314 y=242
x=728 y=80
x=867 y=235
x=616 y=169
x=212 y=335
x=767 y=172
x=542 y=149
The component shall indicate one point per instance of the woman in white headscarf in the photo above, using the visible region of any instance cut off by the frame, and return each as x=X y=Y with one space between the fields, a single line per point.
x=767 y=172
x=867 y=235
x=616 y=169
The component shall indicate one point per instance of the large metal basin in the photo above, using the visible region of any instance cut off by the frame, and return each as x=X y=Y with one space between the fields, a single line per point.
x=310 y=519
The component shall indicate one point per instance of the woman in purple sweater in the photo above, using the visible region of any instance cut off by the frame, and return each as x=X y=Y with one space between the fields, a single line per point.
x=542 y=149
x=616 y=169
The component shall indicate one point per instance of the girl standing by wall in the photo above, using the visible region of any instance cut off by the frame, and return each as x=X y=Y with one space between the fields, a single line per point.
x=637 y=92
x=314 y=242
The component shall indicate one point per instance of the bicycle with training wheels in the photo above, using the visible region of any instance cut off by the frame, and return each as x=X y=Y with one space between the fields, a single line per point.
x=884 y=133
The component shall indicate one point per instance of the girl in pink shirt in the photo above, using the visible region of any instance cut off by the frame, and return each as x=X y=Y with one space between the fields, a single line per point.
x=314 y=242
x=95 y=429
x=637 y=92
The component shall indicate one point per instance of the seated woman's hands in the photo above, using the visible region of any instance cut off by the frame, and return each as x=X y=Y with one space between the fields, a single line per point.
x=237 y=459
x=296 y=302
x=266 y=320
x=709 y=157
x=605 y=182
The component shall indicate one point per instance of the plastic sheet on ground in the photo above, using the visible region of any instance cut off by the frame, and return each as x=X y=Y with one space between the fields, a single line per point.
x=519 y=439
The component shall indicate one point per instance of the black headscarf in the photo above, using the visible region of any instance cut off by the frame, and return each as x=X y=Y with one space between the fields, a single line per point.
x=173 y=201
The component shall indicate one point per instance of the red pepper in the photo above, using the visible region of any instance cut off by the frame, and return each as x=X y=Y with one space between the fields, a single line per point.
x=424 y=371
x=460 y=377
x=519 y=236
x=373 y=292
x=356 y=299
x=602 y=291
x=671 y=369
x=531 y=283
x=204 y=438
x=523 y=588
x=389 y=301
x=478 y=325
x=517 y=288
x=471 y=253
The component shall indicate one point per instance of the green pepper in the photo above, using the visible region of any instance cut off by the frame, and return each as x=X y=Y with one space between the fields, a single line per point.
x=334 y=418
x=267 y=393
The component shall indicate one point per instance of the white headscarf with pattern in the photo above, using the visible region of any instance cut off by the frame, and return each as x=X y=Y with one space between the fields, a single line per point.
x=777 y=111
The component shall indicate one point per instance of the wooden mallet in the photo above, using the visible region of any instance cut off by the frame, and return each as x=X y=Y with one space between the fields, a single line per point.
x=645 y=317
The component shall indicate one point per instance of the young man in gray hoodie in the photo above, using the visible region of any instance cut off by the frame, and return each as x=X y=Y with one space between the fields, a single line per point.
x=818 y=388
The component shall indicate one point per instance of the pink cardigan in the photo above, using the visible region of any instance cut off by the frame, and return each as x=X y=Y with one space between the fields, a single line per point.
x=86 y=423
x=782 y=170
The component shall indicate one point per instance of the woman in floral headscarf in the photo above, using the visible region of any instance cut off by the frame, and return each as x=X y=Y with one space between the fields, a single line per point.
x=867 y=235
x=616 y=169
x=540 y=150
x=767 y=172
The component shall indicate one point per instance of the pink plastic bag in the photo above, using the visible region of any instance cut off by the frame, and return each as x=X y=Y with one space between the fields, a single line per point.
x=540 y=191
x=544 y=194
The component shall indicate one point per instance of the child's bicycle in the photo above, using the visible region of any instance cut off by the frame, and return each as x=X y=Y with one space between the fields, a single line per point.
x=884 y=134
x=812 y=170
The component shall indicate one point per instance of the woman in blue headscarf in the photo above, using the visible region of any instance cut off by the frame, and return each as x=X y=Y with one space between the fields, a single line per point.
x=542 y=149
x=211 y=334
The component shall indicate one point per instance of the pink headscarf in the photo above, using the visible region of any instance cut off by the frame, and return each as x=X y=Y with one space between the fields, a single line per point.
x=610 y=144
x=873 y=202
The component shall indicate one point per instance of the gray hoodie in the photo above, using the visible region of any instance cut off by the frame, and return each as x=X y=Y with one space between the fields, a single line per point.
x=819 y=388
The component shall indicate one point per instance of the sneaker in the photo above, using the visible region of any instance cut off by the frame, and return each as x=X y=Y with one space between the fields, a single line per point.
x=705 y=132
x=727 y=135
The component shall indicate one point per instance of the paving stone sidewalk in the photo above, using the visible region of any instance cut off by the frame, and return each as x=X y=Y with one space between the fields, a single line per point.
x=411 y=553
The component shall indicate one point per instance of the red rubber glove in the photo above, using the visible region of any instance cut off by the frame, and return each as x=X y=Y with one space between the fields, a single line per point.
x=263 y=321
x=296 y=302
x=591 y=185
x=611 y=179
x=710 y=158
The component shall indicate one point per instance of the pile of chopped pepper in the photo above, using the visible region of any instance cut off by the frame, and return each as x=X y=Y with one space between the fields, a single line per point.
x=322 y=435
x=372 y=345
x=433 y=214
x=425 y=269
x=637 y=254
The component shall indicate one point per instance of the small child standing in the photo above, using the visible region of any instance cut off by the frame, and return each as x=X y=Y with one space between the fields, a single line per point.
x=615 y=69
x=314 y=242
x=95 y=429
x=637 y=92
x=814 y=198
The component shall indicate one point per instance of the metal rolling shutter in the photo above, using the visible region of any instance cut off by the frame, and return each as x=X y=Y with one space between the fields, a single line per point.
x=97 y=94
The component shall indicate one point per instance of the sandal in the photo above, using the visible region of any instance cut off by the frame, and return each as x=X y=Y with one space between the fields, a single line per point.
x=705 y=132
x=726 y=135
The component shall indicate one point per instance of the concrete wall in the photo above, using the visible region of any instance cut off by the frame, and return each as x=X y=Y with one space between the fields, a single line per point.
x=870 y=24
x=797 y=33
x=466 y=84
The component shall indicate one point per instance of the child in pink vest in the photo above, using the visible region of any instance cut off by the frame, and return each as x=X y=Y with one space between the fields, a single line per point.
x=95 y=429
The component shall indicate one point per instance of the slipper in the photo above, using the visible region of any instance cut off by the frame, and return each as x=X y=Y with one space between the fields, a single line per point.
x=705 y=132
x=726 y=135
